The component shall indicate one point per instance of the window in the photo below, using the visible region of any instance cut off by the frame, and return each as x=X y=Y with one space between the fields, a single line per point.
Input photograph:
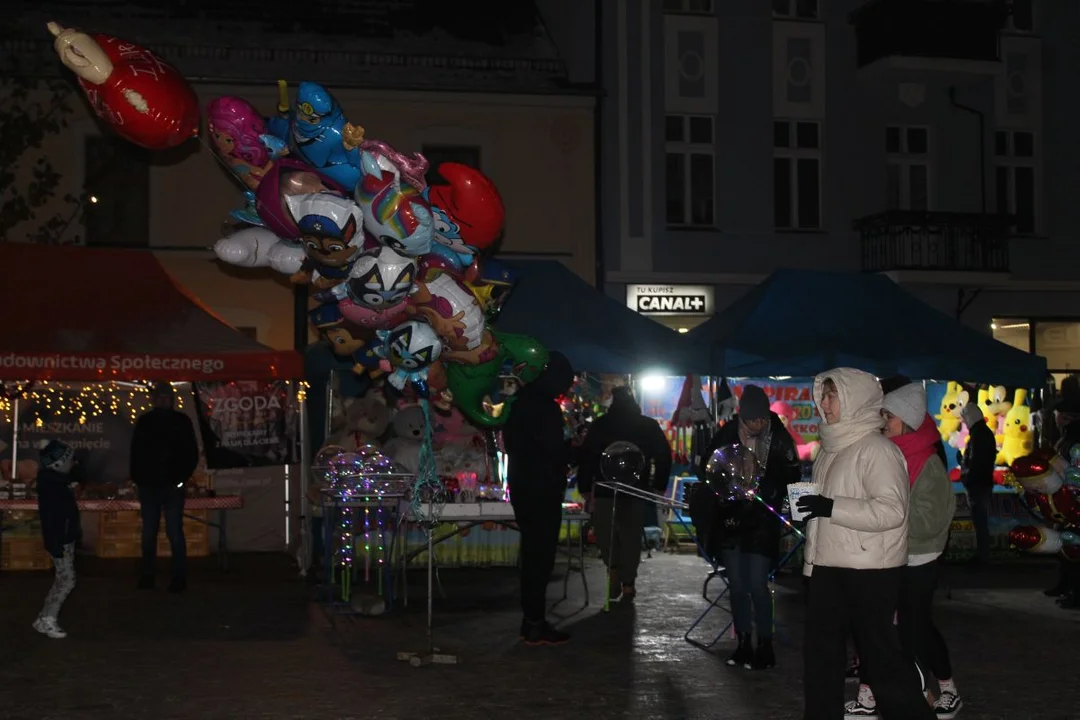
x=795 y=9
x=247 y=331
x=117 y=187
x=1015 y=178
x=689 y=7
x=907 y=184
x=797 y=175
x=690 y=178
x=1057 y=340
x=1021 y=16
x=439 y=154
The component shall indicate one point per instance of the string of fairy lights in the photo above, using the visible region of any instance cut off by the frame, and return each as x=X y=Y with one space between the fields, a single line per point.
x=44 y=400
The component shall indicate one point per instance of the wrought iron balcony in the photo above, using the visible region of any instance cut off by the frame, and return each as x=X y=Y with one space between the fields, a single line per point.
x=934 y=241
x=966 y=30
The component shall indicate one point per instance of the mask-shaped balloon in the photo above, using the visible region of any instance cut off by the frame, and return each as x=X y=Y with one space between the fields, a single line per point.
x=410 y=348
x=258 y=247
x=143 y=98
x=329 y=228
x=397 y=215
x=469 y=213
x=375 y=293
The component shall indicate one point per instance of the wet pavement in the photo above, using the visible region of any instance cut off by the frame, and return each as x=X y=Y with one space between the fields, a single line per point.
x=250 y=644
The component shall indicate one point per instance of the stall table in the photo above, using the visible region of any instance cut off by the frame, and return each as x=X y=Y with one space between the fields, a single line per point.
x=221 y=503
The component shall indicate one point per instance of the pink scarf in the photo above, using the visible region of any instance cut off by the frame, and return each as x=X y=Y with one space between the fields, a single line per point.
x=918 y=446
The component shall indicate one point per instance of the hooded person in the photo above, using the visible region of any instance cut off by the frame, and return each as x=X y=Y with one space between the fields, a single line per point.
x=745 y=536
x=856 y=548
x=931 y=507
x=620 y=545
x=58 y=512
x=977 y=474
x=539 y=455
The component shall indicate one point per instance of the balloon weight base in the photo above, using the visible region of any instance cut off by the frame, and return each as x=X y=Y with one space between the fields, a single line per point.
x=432 y=658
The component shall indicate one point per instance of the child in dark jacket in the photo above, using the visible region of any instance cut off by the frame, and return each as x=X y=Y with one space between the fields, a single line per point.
x=60 y=529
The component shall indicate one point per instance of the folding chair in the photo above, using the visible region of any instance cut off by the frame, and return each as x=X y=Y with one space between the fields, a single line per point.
x=714 y=604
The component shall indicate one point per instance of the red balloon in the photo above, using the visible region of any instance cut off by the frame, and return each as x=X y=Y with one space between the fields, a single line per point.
x=143 y=98
x=1025 y=537
x=1031 y=465
x=1067 y=505
x=472 y=202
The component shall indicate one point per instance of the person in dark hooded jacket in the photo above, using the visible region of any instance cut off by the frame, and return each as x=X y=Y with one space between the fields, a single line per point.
x=622 y=422
x=745 y=535
x=58 y=511
x=538 y=459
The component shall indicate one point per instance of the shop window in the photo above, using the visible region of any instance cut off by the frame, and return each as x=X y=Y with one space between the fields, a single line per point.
x=1014 y=332
x=1059 y=343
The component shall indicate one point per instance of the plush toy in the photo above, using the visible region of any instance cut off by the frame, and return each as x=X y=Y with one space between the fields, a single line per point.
x=366 y=421
x=949 y=416
x=404 y=447
x=999 y=407
x=1019 y=438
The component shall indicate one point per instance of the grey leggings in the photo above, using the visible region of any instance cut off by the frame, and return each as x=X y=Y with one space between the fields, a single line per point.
x=63 y=582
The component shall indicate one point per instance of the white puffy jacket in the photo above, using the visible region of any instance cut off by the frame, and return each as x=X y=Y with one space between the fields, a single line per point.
x=865 y=475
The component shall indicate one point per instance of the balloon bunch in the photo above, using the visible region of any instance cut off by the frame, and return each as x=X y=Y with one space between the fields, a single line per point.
x=396 y=267
x=398 y=282
x=1049 y=487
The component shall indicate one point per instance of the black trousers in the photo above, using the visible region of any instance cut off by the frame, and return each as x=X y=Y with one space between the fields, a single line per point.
x=919 y=636
x=864 y=602
x=538 y=513
x=153 y=500
x=980 y=498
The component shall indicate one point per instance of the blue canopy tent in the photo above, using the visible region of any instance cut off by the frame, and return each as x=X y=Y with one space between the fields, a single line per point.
x=597 y=333
x=799 y=323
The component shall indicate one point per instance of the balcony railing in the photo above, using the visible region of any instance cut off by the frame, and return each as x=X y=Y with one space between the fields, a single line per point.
x=944 y=29
x=934 y=241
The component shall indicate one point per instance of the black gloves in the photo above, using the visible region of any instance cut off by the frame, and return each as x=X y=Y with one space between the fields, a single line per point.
x=815 y=506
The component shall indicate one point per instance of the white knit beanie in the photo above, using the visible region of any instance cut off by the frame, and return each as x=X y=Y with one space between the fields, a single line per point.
x=907 y=403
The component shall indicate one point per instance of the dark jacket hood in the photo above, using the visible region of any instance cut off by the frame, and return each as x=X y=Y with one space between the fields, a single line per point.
x=555 y=379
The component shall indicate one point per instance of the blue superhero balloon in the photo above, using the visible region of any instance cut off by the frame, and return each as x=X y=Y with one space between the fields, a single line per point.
x=318 y=133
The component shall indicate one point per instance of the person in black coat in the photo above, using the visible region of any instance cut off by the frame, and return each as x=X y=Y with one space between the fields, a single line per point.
x=622 y=422
x=58 y=512
x=977 y=473
x=539 y=457
x=1067 y=418
x=745 y=535
x=164 y=454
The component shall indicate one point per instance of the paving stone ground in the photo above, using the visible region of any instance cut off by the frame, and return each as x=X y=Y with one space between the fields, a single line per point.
x=251 y=644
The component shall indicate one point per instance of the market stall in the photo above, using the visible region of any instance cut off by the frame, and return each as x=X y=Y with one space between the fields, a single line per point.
x=76 y=365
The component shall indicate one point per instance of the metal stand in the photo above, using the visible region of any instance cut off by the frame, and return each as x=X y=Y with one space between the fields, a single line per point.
x=433 y=656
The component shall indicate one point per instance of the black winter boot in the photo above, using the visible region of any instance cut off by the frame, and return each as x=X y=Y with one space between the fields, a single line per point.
x=764 y=658
x=744 y=654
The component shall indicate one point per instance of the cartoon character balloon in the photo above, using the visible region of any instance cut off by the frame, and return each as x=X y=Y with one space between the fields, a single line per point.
x=330 y=231
x=285 y=178
x=396 y=215
x=258 y=247
x=410 y=348
x=456 y=314
x=469 y=213
x=374 y=294
x=236 y=128
x=485 y=393
x=318 y=133
x=143 y=98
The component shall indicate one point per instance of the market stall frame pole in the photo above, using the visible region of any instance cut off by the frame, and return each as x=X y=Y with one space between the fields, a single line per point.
x=305 y=480
x=433 y=656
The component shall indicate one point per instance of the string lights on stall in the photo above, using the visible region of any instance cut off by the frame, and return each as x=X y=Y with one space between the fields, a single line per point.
x=43 y=400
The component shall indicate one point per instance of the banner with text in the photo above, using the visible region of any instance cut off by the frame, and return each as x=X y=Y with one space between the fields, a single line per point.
x=102 y=442
x=793 y=401
x=246 y=423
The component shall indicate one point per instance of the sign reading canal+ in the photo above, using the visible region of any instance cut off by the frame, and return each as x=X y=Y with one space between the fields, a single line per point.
x=670 y=299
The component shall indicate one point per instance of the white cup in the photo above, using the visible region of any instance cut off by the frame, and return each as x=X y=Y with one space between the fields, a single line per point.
x=796 y=491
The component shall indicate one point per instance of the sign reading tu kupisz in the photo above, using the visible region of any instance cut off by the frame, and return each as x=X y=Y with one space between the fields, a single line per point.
x=670 y=299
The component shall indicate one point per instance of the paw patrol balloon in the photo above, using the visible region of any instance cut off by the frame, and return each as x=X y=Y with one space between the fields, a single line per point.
x=330 y=233
x=410 y=348
x=396 y=215
x=378 y=285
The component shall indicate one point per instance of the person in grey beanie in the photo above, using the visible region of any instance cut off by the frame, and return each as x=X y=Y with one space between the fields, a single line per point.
x=746 y=534
x=977 y=474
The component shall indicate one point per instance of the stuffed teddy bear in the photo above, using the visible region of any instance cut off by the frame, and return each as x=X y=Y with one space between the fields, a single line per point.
x=404 y=448
x=366 y=420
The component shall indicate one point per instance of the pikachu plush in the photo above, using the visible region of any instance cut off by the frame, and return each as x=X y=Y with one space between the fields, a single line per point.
x=949 y=417
x=1019 y=438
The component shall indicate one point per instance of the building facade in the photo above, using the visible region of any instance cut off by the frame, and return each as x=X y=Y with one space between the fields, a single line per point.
x=932 y=141
x=499 y=100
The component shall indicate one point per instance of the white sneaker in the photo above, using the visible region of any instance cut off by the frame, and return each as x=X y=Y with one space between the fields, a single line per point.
x=47 y=626
x=864 y=707
x=948 y=705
